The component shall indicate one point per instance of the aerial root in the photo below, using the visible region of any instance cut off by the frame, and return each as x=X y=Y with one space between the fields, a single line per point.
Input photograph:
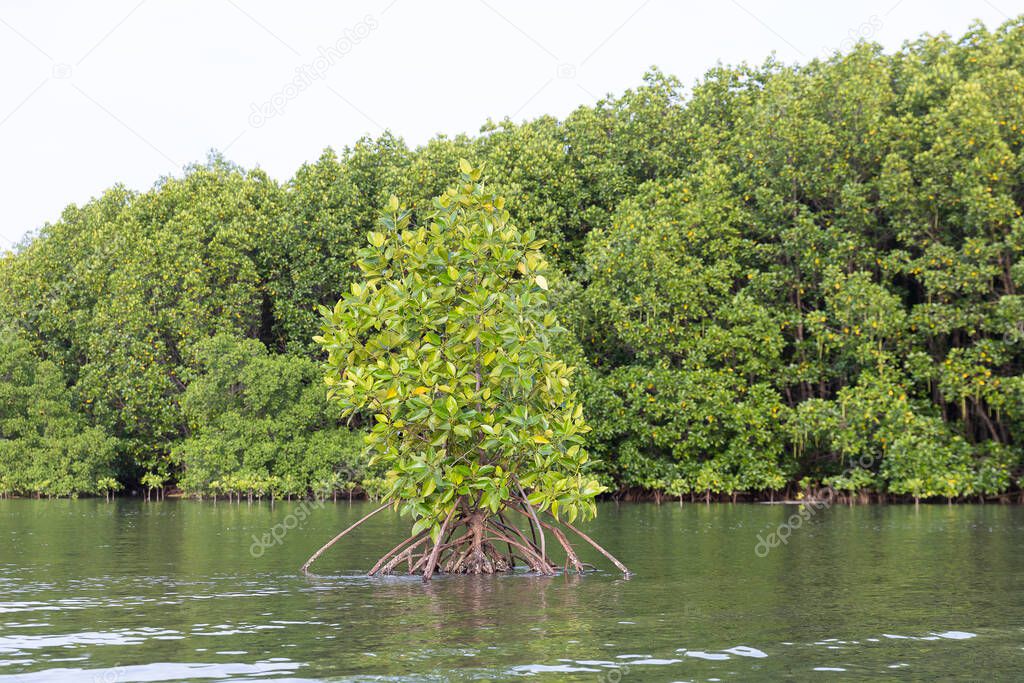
x=468 y=542
x=318 y=553
x=567 y=547
x=415 y=540
x=599 y=549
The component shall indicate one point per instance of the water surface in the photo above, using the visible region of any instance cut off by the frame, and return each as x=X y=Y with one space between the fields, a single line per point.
x=170 y=591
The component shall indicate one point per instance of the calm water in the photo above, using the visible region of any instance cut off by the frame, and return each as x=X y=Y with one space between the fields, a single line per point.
x=179 y=591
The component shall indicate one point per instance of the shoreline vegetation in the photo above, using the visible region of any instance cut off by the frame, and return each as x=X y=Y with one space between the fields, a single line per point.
x=786 y=279
x=816 y=496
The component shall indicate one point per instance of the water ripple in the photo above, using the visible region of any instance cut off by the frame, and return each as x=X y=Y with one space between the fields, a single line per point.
x=156 y=671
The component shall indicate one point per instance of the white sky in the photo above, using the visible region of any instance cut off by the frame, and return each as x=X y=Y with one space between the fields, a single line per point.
x=92 y=94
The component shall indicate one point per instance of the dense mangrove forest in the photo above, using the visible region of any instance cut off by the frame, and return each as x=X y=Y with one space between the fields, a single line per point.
x=781 y=278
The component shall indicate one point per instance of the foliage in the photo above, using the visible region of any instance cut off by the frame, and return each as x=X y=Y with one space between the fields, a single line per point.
x=46 y=445
x=258 y=427
x=447 y=342
x=747 y=270
x=683 y=351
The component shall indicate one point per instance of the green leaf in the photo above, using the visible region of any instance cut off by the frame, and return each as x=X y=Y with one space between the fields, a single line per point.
x=428 y=487
x=420 y=525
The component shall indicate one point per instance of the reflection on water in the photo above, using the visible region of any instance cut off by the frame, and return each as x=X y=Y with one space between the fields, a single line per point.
x=169 y=591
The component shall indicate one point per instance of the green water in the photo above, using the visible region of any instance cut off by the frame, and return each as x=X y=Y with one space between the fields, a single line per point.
x=129 y=591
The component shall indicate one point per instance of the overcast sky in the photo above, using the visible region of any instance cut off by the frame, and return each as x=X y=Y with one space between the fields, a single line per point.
x=93 y=94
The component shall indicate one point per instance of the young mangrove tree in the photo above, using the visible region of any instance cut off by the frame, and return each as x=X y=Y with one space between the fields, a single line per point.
x=447 y=344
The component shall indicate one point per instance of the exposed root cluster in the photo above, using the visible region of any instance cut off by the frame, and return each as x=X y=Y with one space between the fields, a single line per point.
x=476 y=541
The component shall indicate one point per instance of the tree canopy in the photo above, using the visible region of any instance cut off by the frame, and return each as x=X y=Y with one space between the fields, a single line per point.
x=782 y=277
